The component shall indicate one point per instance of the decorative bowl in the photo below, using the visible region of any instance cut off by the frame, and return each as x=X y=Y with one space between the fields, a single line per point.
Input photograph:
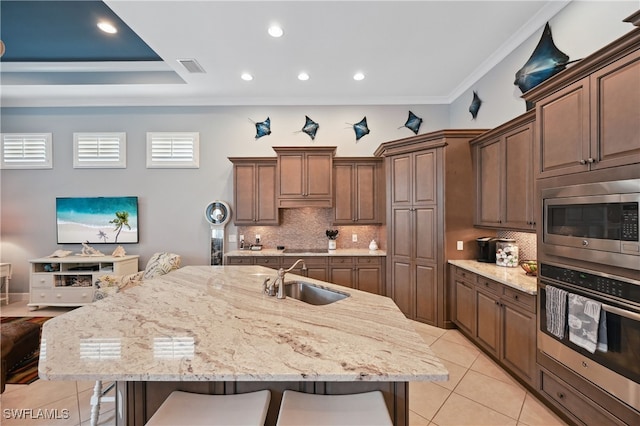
x=530 y=267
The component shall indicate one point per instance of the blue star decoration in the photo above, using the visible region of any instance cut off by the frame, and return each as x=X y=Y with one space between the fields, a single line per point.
x=413 y=123
x=310 y=127
x=475 y=105
x=361 y=128
x=263 y=128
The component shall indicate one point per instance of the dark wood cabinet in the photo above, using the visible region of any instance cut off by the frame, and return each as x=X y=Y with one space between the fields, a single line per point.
x=254 y=191
x=316 y=266
x=305 y=176
x=503 y=169
x=429 y=207
x=499 y=319
x=360 y=272
x=358 y=191
x=588 y=116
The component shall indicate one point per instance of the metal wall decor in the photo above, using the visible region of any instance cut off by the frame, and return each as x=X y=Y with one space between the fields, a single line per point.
x=361 y=128
x=475 y=105
x=413 y=123
x=545 y=61
x=263 y=128
x=310 y=127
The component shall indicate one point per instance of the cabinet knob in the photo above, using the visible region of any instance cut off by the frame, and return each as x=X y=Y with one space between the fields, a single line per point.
x=560 y=395
x=583 y=162
x=591 y=160
x=515 y=296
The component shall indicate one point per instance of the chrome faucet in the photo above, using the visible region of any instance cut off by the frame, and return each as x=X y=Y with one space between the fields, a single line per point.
x=278 y=284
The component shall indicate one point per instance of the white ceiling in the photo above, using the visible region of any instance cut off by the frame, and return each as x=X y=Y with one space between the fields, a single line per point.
x=412 y=52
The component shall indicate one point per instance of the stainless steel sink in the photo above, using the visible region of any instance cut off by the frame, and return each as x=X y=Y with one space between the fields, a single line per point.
x=313 y=294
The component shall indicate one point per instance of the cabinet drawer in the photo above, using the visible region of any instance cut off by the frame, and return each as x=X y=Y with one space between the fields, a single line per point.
x=341 y=260
x=72 y=295
x=570 y=400
x=308 y=261
x=40 y=296
x=269 y=262
x=489 y=285
x=42 y=280
x=527 y=301
x=239 y=260
x=465 y=275
x=368 y=260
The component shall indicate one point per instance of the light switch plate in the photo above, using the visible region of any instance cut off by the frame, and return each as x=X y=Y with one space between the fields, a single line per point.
x=354 y=238
x=459 y=246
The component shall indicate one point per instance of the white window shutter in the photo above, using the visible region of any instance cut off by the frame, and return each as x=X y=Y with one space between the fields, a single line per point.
x=26 y=151
x=173 y=150
x=100 y=150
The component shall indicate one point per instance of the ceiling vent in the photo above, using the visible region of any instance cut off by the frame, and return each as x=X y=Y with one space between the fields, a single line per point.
x=191 y=65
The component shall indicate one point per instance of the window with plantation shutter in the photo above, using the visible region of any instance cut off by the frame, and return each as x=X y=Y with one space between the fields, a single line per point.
x=173 y=150
x=100 y=150
x=26 y=151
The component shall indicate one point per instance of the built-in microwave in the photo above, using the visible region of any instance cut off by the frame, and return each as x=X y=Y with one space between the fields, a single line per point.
x=596 y=222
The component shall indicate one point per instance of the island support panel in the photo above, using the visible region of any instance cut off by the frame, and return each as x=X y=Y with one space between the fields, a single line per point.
x=138 y=401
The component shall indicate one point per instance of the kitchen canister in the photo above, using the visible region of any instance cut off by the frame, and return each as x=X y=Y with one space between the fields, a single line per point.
x=506 y=253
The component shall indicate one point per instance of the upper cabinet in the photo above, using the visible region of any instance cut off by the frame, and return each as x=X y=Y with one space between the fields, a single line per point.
x=254 y=191
x=305 y=176
x=588 y=116
x=358 y=191
x=503 y=168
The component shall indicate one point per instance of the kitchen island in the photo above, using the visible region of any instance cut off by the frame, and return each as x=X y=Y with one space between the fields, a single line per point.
x=211 y=329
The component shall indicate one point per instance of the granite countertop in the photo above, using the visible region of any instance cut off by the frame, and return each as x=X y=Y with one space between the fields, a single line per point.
x=512 y=277
x=214 y=323
x=338 y=252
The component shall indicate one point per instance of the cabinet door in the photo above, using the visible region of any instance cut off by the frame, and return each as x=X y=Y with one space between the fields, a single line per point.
x=318 y=175
x=368 y=279
x=402 y=290
x=265 y=196
x=401 y=180
x=425 y=234
x=244 y=193
x=424 y=177
x=615 y=118
x=366 y=200
x=342 y=275
x=426 y=284
x=519 y=341
x=488 y=181
x=488 y=321
x=563 y=131
x=343 y=208
x=463 y=313
x=518 y=179
x=401 y=232
x=292 y=182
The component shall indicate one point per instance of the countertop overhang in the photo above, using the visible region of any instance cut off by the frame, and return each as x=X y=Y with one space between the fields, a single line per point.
x=214 y=323
x=337 y=253
x=512 y=277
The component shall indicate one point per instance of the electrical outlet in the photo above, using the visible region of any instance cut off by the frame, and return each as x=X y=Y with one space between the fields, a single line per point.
x=257 y=238
x=241 y=237
x=354 y=238
x=459 y=246
x=232 y=238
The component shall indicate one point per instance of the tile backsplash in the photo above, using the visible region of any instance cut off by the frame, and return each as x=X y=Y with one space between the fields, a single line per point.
x=306 y=227
x=525 y=241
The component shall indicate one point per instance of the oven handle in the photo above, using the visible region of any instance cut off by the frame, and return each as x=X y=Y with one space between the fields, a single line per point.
x=614 y=310
x=621 y=312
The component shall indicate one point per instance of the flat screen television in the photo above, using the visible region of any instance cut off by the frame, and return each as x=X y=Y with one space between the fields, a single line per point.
x=107 y=220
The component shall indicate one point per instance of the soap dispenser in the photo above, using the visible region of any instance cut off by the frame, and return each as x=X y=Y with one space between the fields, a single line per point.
x=373 y=245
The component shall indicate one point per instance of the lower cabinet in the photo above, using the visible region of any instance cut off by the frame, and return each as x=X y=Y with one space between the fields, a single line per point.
x=499 y=319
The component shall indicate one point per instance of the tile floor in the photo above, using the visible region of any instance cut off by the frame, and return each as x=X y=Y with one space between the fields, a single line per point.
x=478 y=392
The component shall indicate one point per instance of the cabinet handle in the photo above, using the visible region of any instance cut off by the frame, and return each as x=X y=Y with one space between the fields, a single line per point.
x=515 y=296
x=560 y=395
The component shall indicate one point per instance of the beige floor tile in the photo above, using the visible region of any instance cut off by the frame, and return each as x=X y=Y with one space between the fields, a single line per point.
x=417 y=420
x=20 y=309
x=502 y=397
x=460 y=411
x=460 y=354
x=423 y=328
x=38 y=394
x=425 y=398
x=456 y=372
x=534 y=413
x=428 y=339
x=456 y=336
x=485 y=365
x=107 y=418
x=63 y=412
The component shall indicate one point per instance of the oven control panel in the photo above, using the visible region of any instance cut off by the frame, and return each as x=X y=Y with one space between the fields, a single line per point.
x=597 y=283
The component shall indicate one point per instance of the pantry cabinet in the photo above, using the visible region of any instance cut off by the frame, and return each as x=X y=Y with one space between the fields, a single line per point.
x=358 y=191
x=588 y=116
x=503 y=169
x=429 y=208
x=254 y=191
x=304 y=176
x=498 y=318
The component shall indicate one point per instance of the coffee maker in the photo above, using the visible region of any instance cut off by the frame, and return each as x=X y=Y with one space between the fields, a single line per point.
x=486 y=249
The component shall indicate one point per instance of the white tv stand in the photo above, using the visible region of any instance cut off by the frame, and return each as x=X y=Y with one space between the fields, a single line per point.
x=70 y=281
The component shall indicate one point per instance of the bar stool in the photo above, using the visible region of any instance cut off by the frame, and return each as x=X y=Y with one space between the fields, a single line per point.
x=185 y=408
x=366 y=409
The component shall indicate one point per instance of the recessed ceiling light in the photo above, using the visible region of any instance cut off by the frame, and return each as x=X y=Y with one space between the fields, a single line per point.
x=246 y=76
x=275 y=31
x=303 y=76
x=107 y=27
x=358 y=76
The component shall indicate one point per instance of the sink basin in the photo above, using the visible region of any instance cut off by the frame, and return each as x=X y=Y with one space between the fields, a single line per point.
x=313 y=294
